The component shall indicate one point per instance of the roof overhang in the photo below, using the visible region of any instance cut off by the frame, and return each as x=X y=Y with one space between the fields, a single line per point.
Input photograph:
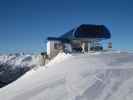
x=88 y=31
x=58 y=39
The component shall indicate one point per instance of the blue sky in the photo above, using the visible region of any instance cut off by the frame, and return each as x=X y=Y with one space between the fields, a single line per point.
x=25 y=23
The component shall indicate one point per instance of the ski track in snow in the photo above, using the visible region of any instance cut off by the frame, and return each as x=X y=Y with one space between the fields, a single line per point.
x=89 y=76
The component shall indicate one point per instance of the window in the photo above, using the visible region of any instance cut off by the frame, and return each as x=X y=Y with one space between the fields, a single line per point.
x=58 y=46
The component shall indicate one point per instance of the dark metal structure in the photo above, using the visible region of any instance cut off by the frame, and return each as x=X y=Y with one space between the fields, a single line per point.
x=88 y=31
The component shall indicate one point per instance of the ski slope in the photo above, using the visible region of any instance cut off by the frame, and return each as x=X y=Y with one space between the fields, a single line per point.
x=89 y=76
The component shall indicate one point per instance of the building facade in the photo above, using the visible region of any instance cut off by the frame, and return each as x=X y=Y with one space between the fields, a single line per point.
x=80 y=39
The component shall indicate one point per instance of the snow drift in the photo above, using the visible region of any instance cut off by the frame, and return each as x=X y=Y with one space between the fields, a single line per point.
x=93 y=76
x=59 y=58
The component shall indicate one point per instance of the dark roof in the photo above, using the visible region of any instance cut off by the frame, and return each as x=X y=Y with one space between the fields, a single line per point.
x=84 y=31
x=58 y=39
x=88 y=31
x=69 y=35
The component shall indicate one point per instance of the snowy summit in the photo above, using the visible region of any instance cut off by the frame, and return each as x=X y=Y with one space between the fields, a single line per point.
x=89 y=76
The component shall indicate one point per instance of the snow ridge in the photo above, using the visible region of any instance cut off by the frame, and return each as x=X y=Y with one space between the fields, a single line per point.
x=89 y=76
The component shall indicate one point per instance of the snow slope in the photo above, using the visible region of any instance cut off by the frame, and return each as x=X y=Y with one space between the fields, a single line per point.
x=92 y=76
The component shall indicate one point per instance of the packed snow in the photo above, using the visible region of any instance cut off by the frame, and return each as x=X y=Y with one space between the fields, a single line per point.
x=89 y=76
x=59 y=58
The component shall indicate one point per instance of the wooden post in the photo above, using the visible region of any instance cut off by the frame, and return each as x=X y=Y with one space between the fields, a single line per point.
x=43 y=54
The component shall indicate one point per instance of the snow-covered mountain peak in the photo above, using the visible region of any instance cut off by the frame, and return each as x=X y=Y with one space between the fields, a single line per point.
x=89 y=76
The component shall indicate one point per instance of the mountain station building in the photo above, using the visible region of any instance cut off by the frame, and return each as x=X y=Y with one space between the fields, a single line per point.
x=83 y=38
